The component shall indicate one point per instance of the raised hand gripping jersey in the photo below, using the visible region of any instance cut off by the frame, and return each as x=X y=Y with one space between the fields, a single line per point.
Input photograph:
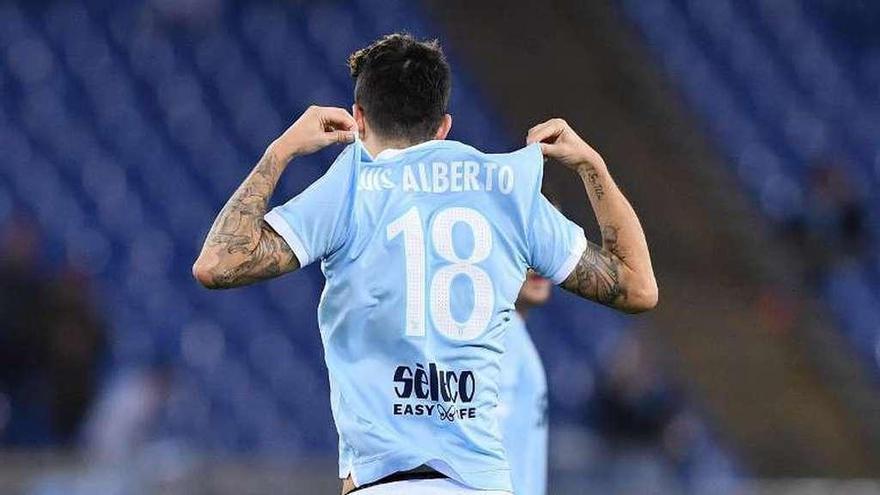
x=523 y=410
x=424 y=251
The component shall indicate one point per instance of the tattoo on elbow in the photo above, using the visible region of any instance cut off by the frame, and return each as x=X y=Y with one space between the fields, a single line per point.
x=271 y=257
x=232 y=243
x=597 y=277
x=609 y=241
x=247 y=272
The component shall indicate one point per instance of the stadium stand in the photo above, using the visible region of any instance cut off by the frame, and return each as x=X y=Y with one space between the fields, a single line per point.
x=124 y=127
x=780 y=96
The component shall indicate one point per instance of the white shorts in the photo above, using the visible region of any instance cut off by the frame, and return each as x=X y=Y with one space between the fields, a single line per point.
x=425 y=487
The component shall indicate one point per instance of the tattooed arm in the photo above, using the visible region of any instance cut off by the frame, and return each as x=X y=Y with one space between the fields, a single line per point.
x=619 y=273
x=241 y=248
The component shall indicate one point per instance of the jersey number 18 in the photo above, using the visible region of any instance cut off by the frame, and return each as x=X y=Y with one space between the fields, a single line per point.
x=410 y=225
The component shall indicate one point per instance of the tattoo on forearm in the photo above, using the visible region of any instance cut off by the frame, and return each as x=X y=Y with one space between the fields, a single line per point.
x=240 y=230
x=597 y=277
x=592 y=177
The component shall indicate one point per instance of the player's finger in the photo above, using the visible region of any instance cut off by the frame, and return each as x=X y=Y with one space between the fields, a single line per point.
x=540 y=125
x=549 y=150
x=546 y=129
x=547 y=132
x=338 y=118
x=535 y=129
x=341 y=137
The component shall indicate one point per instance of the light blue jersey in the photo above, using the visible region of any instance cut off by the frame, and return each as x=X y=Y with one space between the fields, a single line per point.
x=424 y=251
x=523 y=411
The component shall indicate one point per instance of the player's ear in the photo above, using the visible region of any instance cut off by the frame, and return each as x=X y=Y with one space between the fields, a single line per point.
x=358 y=112
x=445 y=127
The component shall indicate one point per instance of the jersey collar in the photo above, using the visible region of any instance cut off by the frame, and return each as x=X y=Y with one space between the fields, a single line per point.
x=390 y=153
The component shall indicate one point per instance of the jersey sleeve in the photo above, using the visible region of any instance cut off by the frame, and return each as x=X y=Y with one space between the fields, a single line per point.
x=555 y=242
x=315 y=222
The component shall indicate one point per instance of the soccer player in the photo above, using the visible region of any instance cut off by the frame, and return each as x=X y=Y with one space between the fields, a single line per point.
x=523 y=395
x=424 y=244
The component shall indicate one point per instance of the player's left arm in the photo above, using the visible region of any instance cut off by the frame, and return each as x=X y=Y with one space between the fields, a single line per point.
x=242 y=248
x=618 y=273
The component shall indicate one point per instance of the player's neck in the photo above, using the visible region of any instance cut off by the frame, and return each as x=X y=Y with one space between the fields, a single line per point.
x=522 y=310
x=376 y=145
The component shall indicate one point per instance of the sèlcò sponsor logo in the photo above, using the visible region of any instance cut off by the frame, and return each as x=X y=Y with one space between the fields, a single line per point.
x=431 y=391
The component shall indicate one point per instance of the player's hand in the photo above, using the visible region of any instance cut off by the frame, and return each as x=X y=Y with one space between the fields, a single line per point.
x=560 y=142
x=316 y=128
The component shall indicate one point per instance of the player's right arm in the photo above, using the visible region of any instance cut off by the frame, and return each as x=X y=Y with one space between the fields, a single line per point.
x=618 y=273
x=242 y=248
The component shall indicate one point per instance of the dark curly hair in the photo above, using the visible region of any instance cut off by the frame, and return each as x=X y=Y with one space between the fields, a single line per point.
x=403 y=86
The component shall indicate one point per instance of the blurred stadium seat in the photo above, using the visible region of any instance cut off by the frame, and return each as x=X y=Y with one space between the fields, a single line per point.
x=784 y=85
x=124 y=127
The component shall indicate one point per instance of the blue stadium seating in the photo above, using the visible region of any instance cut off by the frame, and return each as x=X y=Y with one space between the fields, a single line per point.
x=124 y=127
x=779 y=85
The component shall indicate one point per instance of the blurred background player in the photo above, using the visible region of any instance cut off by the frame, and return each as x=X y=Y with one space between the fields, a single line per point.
x=523 y=395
